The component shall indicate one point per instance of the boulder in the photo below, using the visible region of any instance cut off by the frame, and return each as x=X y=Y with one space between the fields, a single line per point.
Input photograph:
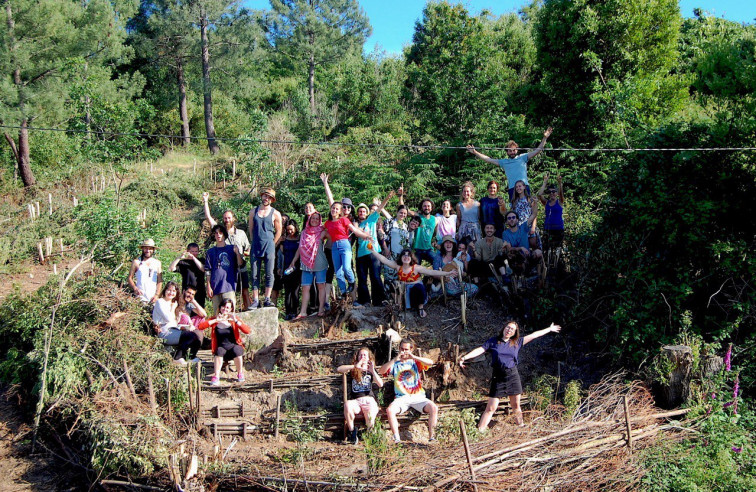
x=264 y=327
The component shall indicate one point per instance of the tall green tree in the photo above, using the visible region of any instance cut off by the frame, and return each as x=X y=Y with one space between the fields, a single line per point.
x=463 y=70
x=607 y=62
x=316 y=33
x=41 y=40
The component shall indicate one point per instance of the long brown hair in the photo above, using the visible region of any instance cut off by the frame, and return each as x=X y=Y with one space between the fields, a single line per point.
x=513 y=340
x=356 y=371
x=179 y=299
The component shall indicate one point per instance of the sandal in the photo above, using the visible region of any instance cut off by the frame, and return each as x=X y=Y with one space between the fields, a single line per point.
x=300 y=316
x=321 y=314
x=422 y=312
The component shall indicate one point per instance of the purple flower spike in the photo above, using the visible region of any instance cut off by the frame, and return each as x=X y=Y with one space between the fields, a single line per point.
x=713 y=396
x=737 y=449
x=728 y=358
x=735 y=392
x=728 y=404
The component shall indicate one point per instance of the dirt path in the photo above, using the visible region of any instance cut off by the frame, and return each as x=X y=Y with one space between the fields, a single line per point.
x=19 y=470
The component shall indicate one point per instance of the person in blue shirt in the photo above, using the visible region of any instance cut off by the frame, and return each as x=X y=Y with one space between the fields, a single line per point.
x=505 y=380
x=366 y=262
x=515 y=166
x=516 y=243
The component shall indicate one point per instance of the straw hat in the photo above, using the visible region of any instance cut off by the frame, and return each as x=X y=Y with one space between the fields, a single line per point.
x=362 y=205
x=448 y=238
x=148 y=243
x=270 y=192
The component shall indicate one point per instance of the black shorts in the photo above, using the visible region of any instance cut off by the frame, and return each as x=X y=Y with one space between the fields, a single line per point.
x=229 y=352
x=506 y=383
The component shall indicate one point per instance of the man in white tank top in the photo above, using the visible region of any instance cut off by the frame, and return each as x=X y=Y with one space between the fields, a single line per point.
x=146 y=274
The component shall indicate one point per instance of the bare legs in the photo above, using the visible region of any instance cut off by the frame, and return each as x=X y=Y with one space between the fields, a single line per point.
x=493 y=404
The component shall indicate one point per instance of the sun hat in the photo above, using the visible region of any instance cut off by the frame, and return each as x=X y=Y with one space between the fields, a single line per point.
x=148 y=243
x=362 y=205
x=270 y=192
x=448 y=238
x=347 y=201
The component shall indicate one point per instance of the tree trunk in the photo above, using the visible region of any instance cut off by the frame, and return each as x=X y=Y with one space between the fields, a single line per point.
x=311 y=75
x=183 y=112
x=21 y=151
x=24 y=167
x=212 y=144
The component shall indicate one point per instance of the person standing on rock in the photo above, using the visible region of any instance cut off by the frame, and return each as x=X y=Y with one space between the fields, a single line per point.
x=146 y=274
x=505 y=381
x=361 y=398
x=265 y=228
x=236 y=237
x=405 y=368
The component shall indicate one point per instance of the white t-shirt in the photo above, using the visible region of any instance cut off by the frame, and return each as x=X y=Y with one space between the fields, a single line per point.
x=146 y=278
x=164 y=315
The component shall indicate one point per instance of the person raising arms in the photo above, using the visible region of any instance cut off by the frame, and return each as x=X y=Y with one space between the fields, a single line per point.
x=515 y=166
x=362 y=400
x=505 y=381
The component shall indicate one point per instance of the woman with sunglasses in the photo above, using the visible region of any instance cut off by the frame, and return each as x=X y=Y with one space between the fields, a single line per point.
x=410 y=273
x=552 y=199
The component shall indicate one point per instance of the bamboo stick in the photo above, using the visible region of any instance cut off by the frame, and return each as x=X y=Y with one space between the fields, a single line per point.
x=463 y=432
x=627 y=424
x=127 y=375
x=278 y=414
x=199 y=389
x=41 y=254
x=150 y=389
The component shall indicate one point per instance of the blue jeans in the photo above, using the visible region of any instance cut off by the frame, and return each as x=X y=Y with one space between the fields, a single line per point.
x=425 y=254
x=369 y=265
x=257 y=265
x=342 y=263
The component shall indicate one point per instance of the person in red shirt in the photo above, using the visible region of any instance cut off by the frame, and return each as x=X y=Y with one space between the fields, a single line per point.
x=226 y=341
x=338 y=228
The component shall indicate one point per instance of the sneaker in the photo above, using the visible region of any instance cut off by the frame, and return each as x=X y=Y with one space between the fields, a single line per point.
x=432 y=439
x=179 y=362
x=240 y=377
x=196 y=360
x=267 y=302
x=397 y=440
x=214 y=381
x=255 y=304
x=356 y=304
x=353 y=437
x=350 y=288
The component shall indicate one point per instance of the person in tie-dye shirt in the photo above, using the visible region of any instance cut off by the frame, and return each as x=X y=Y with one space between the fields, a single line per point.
x=405 y=368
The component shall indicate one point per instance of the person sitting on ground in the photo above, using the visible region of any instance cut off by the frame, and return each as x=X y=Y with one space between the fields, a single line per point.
x=236 y=237
x=366 y=263
x=468 y=214
x=225 y=339
x=408 y=388
x=312 y=256
x=447 y=260
x=192 y=308
x=516 y=245
x=265 y=228
x=515 y=167
x=289 y=270
x=493 y=208
x=146 y=274
x=553 y=223
x=505 y=381
x=165 y=318
x=488 y=251
x=446 y=222
x=221 y=265
x=337 y=229
x=409 y=272
x=191 y=267
x=361 y=398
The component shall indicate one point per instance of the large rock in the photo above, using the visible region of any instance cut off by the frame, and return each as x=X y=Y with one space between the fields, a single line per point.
x=264 y=327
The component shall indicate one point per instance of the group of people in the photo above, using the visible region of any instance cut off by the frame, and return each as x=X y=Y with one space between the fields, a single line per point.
x=406 y=369
x=365 y=248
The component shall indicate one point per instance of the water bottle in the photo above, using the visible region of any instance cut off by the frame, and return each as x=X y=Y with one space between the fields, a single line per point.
x=288 y=270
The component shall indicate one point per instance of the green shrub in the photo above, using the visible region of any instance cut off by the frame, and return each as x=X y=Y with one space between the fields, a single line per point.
x=378 y=450
x=572 y=396
x=541 y=392
x=448 y=430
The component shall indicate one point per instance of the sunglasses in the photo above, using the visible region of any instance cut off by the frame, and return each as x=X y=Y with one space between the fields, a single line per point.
x=512 y=218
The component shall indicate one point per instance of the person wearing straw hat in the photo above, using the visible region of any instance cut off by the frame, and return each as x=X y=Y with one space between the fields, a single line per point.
x=366 y=263
x=146 y=274
x=265 y=227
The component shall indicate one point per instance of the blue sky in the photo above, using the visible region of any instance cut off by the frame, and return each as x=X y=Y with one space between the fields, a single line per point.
x=393 y=21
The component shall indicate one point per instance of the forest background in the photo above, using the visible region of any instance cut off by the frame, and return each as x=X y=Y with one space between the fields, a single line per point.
x=661 y=243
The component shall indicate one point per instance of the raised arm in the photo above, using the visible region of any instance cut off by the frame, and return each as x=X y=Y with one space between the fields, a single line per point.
x=385 y=201
x=533 y=214
x=471 y=355
x=542 y=190
x=483 y=157
x=551 y=329
x=329 y=195
x=561 y=189
x=434 y=273
x=541 y=145
x=389 y=263
x=206 y=207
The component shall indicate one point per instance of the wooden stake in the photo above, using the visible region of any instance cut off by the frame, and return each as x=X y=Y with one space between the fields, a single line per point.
x=41 y=254
x=49 y=202
x=150 y=389
x=38 y=214
x=278 y=415
x=75 y=202
x=199 y=390
x=194 y=169
x=463 y=431
x=627 y=425
x=233 y=172
x=168 y=388
x=55 y=268
x=61 y=245
x=189 y=388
